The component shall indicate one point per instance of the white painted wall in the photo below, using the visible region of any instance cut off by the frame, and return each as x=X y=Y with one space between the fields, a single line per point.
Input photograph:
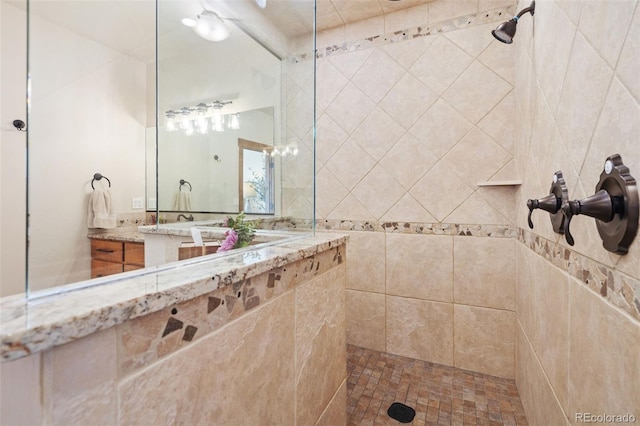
x=88 y=115
x=13 y=85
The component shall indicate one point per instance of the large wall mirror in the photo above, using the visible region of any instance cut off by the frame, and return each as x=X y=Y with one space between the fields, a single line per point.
x=122 y=90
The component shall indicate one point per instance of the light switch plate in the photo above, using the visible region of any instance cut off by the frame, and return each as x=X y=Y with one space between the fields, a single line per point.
x=151 y=203
x=137 y=203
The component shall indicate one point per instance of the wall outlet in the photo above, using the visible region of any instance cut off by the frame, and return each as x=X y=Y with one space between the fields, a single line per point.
x=137 y=203
x=151 y=203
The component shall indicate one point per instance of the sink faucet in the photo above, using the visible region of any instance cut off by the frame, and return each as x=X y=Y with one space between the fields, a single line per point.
x=190 y=218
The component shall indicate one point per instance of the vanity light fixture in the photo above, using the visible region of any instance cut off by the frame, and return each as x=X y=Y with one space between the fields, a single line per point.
x=507 y=30
x=201 y=118
x=208 y=25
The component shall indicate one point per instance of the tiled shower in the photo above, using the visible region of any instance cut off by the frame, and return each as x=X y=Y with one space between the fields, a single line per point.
x=431 y=137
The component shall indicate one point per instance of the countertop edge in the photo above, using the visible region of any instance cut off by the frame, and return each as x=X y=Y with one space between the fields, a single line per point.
x=43 y=323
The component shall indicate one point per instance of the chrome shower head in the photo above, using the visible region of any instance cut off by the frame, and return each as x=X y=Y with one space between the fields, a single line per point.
x=507 y=30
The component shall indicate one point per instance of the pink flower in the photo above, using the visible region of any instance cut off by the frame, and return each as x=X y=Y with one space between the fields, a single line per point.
x=231 y=238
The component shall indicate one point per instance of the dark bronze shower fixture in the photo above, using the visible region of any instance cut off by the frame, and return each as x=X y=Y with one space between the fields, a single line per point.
x=614 y=206
x=507 y=30
x=552 y=203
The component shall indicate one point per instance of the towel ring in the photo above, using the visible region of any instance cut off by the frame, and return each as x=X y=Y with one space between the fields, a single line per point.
x=184 y=182
x=98 y=176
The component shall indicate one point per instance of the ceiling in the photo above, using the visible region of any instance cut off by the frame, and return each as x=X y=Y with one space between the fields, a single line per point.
x=129 y=25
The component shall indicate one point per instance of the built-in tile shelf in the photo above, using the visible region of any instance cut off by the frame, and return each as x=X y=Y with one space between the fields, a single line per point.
x=501 y=183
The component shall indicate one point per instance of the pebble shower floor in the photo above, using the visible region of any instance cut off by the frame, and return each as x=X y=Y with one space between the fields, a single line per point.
x=439 y=394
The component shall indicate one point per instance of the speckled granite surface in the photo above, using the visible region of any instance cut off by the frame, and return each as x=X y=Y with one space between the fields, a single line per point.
x=29 y=326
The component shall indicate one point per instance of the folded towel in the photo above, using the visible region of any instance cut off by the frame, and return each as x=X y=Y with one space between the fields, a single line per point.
x=183 y=201
x=99 y=210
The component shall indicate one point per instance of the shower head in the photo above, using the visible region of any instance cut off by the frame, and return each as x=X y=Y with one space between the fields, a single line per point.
x=507 y=30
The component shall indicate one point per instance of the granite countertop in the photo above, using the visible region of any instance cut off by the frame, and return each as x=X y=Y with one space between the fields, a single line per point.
x=128 y=234
x=76 y=310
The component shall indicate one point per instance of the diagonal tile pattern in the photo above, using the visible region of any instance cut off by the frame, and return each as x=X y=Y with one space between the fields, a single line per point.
x=409 y=128
x=414 y=123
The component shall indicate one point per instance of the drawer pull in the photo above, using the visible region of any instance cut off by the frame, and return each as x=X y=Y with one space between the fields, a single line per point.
x=104 y=250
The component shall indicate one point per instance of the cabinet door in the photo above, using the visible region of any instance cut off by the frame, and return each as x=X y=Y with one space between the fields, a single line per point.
x=100 y=268
x=109 y=251
x=134 y=254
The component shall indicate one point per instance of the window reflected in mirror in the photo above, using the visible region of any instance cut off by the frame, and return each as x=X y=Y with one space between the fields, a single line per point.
x=256 y=179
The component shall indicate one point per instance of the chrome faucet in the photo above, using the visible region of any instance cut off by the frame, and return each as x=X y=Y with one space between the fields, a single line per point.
x=190 y=218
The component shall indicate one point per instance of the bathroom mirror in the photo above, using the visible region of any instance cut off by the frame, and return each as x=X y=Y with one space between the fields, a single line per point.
x=212 y=181
x=99 y=92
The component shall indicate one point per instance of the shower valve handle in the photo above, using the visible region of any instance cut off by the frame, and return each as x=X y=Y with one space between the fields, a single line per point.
x=551 y=203
x=601 y=206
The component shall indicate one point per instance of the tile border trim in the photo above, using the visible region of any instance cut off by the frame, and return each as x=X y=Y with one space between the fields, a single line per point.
x=425 y=228
x=461 y=22
x=616 y=288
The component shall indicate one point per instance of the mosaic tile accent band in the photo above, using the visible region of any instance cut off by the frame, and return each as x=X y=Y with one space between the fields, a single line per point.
x=426 y=228
x=616 y=288
x=415 y=32
x=145 y=339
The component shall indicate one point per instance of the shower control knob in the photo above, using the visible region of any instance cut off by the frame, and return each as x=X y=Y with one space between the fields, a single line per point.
x=614 y=206
x=601 y=206
x=550 y=204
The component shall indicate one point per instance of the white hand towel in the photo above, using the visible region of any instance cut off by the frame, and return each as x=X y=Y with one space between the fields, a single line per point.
x=183 y=201
x=99 y=210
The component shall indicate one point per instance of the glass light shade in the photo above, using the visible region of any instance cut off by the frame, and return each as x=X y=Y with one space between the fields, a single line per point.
x=234 y=121
x=170 y=123
x=189 y=22
x=218 y=122
x=210 y=27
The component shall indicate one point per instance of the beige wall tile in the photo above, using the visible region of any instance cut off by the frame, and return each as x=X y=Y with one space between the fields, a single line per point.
x=441 y=191
x=605 y=25
x=446 y=9
x=578 y=109
x=415 y=160
x=420 y=329
x=378 y=191
x=336 y=412
x=484 y=340
x=366 y=319
x=420 y=266
x=217 y=375
x=320 y=343
x=366 y=265
x=79 y=381
x=484 y=272
x=365 y=28
x=629 y=61
x=378 y=75
x=540 y=403
x=20 y=390
x=550 y=337
x=604 y=356
x=406 y=18
x=438 y=75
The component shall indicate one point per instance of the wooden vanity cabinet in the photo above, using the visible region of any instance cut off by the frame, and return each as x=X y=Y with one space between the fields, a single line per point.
x=112 y=257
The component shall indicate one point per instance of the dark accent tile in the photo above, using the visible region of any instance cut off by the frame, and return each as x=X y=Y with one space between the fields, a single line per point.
x=189 y=333
x=214 y=302
x=172 y=325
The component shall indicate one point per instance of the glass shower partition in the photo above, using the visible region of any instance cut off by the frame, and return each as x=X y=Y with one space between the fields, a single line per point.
x=144 y=100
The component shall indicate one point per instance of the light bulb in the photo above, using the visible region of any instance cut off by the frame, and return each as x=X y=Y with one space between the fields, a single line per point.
x=170 y=123
x=201 y=121
x=234 y=121
x=218 y=122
